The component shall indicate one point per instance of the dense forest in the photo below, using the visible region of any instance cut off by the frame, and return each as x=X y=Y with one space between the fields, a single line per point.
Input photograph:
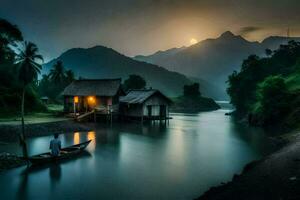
x=20 y=65
x=19 y=68
x=266 y=91
x=52 y=84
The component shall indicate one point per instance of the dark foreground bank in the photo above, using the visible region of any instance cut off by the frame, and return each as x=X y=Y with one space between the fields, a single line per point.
x=274 y=177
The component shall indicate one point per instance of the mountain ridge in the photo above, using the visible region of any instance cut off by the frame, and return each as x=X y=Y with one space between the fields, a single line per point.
x=104 y=62
x=213 y=59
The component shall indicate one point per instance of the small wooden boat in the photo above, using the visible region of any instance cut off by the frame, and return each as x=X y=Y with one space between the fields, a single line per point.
x=66 y=153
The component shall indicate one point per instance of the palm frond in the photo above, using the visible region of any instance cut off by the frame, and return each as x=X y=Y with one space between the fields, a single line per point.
x=29 y=68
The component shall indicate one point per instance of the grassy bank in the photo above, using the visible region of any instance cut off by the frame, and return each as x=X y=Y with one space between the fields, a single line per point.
x=52 y=114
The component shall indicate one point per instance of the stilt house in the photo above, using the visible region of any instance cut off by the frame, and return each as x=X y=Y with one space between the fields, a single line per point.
x=145 y=104
x=101 y=95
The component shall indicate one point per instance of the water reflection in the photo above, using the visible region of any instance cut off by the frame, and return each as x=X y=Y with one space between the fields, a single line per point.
x=22 y=192
x=54 y=173
x=158 y=161
x=76 y=138
x=91 y=136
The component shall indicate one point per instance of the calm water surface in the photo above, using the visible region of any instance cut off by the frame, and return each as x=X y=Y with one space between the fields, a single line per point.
x=130 y=161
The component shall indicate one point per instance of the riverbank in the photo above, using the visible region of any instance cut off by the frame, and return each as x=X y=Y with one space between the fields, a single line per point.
x=275 y=177
x=195 y=104
x=10 y=134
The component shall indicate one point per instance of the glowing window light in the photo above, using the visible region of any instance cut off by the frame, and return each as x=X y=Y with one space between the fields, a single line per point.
x=91 y=100
x=76 y=99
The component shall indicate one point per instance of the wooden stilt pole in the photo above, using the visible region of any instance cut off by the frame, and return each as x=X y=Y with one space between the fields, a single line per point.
x=74 y=107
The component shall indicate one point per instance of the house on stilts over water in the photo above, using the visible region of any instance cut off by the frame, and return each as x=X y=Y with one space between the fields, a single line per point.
x=145 y=105
x=100 y=96
x=105 y=97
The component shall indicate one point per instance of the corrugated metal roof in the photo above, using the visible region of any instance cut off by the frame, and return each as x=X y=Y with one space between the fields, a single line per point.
x=93 y=87
x=139 y=96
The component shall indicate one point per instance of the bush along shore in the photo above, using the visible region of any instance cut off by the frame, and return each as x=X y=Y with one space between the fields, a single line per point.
x=193 y=104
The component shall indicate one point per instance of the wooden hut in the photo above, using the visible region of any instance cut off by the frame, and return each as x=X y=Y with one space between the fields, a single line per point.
x=100 y=95
x=45 y=99
x=145 y=105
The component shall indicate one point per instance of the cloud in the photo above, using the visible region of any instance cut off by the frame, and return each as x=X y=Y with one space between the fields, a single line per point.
x=249 y=29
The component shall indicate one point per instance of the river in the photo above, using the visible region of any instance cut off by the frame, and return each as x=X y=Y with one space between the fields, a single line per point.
x=180 y=160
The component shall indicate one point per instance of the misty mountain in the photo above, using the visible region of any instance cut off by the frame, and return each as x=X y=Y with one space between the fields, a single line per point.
x=273 y=42
x=212 y=59
x=103 y=62
x=159 y=56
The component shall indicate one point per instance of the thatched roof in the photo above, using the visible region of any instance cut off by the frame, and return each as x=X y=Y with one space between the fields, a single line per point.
x=140 y=96
x=93 y=87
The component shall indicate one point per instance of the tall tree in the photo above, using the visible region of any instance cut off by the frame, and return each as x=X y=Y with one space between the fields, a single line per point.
x=29 y=68
x=57 y=73
x=69 y=76
x=191 y=90
x=9 y=35
x=134 y=82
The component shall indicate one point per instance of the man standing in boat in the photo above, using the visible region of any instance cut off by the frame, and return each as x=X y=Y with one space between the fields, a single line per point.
x=55 y=145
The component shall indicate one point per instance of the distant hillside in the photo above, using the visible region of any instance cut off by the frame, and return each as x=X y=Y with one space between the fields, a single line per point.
x=209 y=89
x=213 y=59
x=102 y=62
x=273 y=42
x=159 y=56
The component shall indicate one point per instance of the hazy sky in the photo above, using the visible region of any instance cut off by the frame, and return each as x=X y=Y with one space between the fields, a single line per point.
x=144 y=26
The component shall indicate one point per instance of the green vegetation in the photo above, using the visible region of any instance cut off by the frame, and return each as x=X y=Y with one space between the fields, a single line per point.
x=14 y=70
x=28 y=72
x=19 y=69
x=267 y=90
x=192 y=101
x=52 y=84
x=191 y=90
x=134 y=82
x=20 y=64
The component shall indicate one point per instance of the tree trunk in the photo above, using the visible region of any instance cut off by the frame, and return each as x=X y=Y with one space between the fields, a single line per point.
x=22 y=135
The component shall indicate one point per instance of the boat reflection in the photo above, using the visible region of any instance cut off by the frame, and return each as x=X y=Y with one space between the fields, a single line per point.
x=55 y=172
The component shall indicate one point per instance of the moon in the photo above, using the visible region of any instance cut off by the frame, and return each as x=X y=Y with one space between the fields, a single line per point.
x=193 y=41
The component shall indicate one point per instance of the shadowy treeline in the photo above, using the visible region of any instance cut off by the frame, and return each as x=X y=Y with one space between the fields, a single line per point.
x=51 y=85
x=192 y=101
x=18 y=70
x=20 y=65
x=267 y=90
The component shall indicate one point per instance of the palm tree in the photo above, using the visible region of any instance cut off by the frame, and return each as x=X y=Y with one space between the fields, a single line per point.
x=70 y=76
x=57 y=73
x=29 y=68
